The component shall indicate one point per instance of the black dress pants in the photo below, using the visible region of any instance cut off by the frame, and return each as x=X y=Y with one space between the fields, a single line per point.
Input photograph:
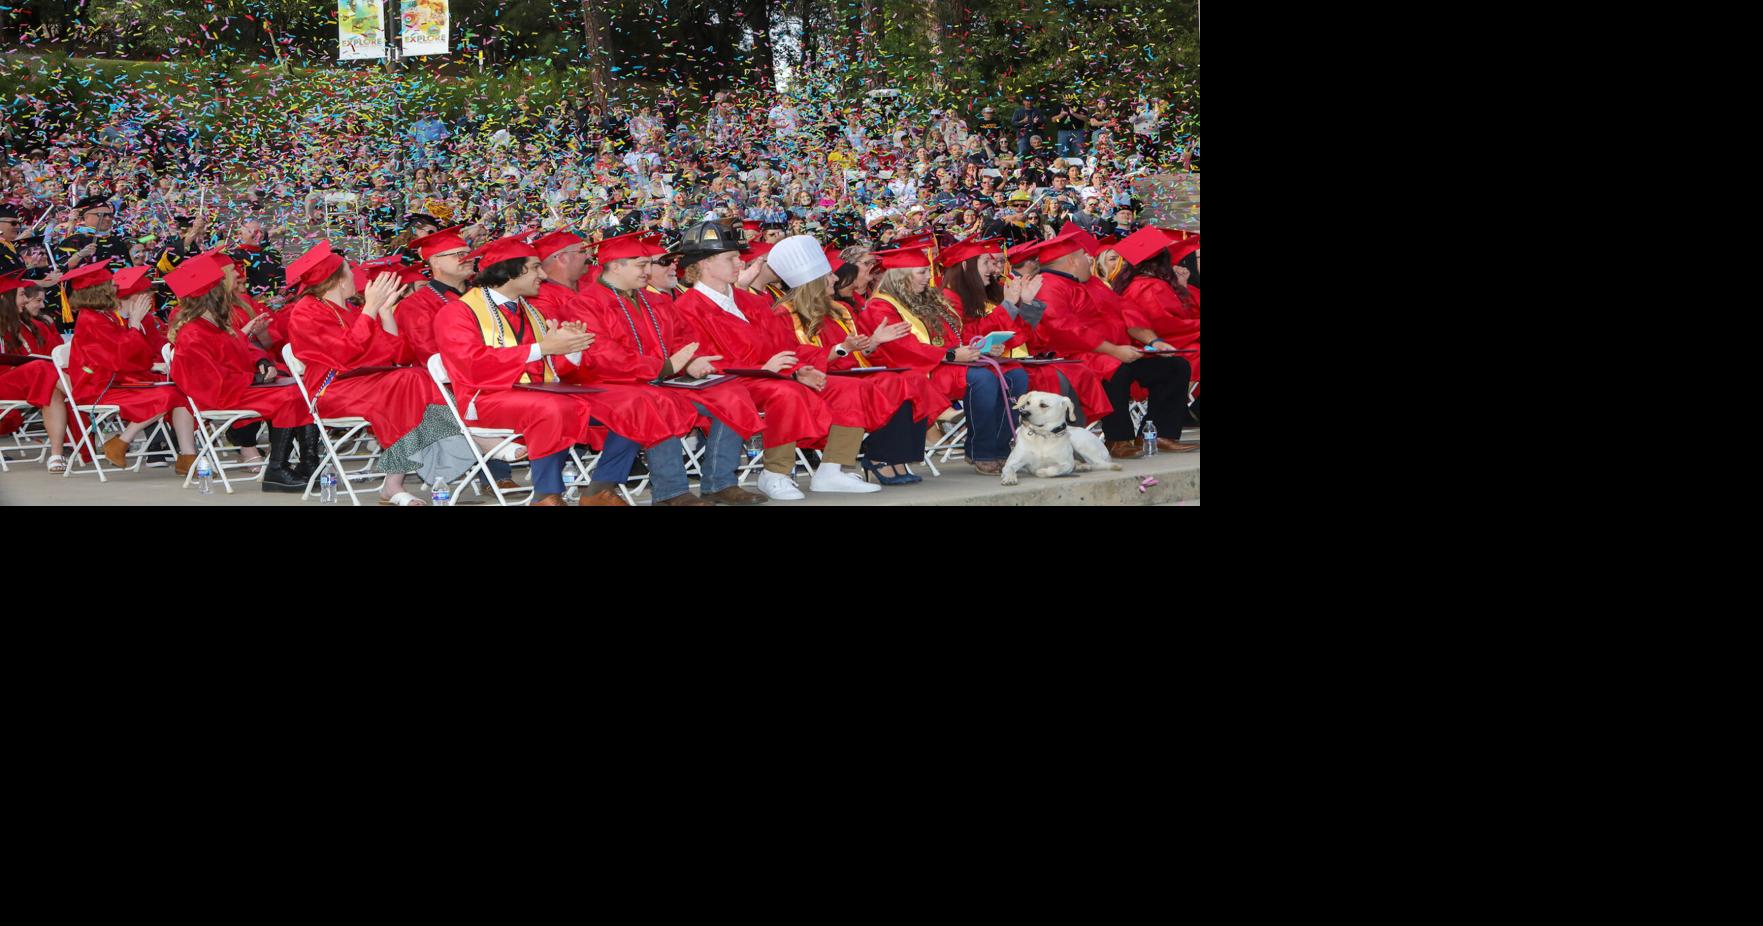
x=1166 y=379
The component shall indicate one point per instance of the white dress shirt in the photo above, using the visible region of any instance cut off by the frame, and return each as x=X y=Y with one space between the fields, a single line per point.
x=497 y=300
x=724 y=301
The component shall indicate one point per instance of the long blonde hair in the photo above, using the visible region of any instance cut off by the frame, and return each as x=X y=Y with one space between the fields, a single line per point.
x=216 y=305
x=812 y=302
x=929 y=305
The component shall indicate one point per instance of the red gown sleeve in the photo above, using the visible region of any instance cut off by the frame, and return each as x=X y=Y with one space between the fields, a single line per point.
x=322 y=345
x=107 y=348
x=908 y=351
x=1064 y=325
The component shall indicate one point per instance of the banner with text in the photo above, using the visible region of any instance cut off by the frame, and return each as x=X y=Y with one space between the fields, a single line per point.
x=361 y=30
x=424 y=24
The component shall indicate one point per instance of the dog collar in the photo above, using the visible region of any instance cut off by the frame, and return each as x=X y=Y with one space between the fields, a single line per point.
x=1058 y=430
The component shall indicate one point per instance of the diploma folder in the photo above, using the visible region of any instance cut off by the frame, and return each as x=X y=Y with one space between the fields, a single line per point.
x=862 y=371
x=1030 y=362
x=278 y=381
x=13 y=360
x=365 y=371
x=683 y=382
x=558 y=388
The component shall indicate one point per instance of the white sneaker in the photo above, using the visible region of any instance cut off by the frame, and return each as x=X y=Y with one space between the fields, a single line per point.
x=778 y=487
x=829 y=478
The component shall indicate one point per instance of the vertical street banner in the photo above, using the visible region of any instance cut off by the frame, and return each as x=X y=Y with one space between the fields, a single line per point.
x=361 y=30
x=424 y=26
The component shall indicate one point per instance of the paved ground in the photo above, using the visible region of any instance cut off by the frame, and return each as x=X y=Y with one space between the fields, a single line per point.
x=1177 y=478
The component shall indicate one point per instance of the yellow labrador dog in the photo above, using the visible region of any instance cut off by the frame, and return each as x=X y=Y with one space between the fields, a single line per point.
x=1047 y=443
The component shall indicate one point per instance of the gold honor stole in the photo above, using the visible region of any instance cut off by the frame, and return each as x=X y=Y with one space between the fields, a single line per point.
x=802 y=333
x=496 y=333
x=918 y=327
x=1016 y=353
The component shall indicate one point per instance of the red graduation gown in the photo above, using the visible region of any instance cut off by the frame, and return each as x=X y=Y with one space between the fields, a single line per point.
x=884 y=392
x=1152 y=303
x=484 y=377
x=1074 y=325
x=32 y=382
x=628 y=349
x=948 y=379
x=794 y=413
x=331 y=338
x=415 y=315
x=107 y=354
x=216 y=367
x=244 y=315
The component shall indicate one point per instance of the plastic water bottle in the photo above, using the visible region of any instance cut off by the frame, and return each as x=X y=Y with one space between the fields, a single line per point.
x=570 y=474
x=328 y=487
x=204 y=475
x=440 y=496
x=1150 y=438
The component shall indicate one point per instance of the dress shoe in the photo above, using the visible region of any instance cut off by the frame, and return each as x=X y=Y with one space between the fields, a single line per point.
x=116 y=452
x=687 y=500
x=550 y=501
x=187 y=460
x=1125 y=449
x=988 y=467
x=1171 y=445
x=735 y=495
x=608 y=499
x=508 y=484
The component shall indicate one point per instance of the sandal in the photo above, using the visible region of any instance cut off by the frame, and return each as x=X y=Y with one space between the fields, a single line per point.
x=513 y=453
x=404 y=500
x=57 y=465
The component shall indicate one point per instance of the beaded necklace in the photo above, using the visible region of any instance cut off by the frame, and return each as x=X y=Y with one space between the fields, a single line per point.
x=538 y=329
x=653 y=323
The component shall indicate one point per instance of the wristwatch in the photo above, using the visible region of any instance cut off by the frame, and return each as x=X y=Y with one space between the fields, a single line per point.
x=948 y=356
x=841 y=351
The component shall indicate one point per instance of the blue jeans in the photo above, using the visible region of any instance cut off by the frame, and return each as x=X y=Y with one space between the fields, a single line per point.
x=1022 y=147
x=616 y=459
x=988 y=434
x=1068 y=144
x=723 y=452
x=548 y=473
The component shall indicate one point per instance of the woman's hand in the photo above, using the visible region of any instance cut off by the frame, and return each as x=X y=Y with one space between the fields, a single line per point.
x=383 y=292
x=779 y=360
x=966 y=355
x=683 y=357
x=859 y=342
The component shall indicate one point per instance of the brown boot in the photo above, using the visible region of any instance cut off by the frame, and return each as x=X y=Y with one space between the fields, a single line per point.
x=988 y=467
x=607 y=499
x=185 y=461
x=1171 y=445
x=687 y=500
x=735 y=495
x=550 y=501
x=1125 y=450
x=507 y=484
x=116 y=451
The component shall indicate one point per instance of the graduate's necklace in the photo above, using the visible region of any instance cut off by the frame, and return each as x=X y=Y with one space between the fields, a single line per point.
x=653 y=323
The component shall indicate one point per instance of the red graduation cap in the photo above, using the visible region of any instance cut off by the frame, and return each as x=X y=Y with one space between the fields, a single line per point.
x=1054 y=248
x=1108 y=241
x=652 y=246
x=968 y=250
x=1023 y=252
x=752 y=225
x=447 y=239
x=502 y=249
x=1142 y=245
x=13 y=280
x=313 y=267
x=832 y=257
x=89 y=275
x=549 y=245
x=132 y=281
x=220 y=257
x=623 y=247
x=757 y=250
x=193 y=278
x=1083 y=238
x=903 y=258
x=1183 y=247
x=920 y=240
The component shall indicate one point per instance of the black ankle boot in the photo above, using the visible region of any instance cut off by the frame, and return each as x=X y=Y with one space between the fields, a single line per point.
x=311 y=452
x=277 y=477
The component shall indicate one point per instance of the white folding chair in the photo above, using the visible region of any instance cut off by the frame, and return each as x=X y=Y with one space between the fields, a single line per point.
x=210 y=426
x=82 y=434
x=952 y=440
x=29 y=428
x=352 y=430
x=504 y=438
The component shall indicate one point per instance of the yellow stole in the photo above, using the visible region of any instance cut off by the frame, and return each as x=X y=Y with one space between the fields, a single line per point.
x=1016 y=353
x=495 y=330
x=918 y=327
x=803 y=337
